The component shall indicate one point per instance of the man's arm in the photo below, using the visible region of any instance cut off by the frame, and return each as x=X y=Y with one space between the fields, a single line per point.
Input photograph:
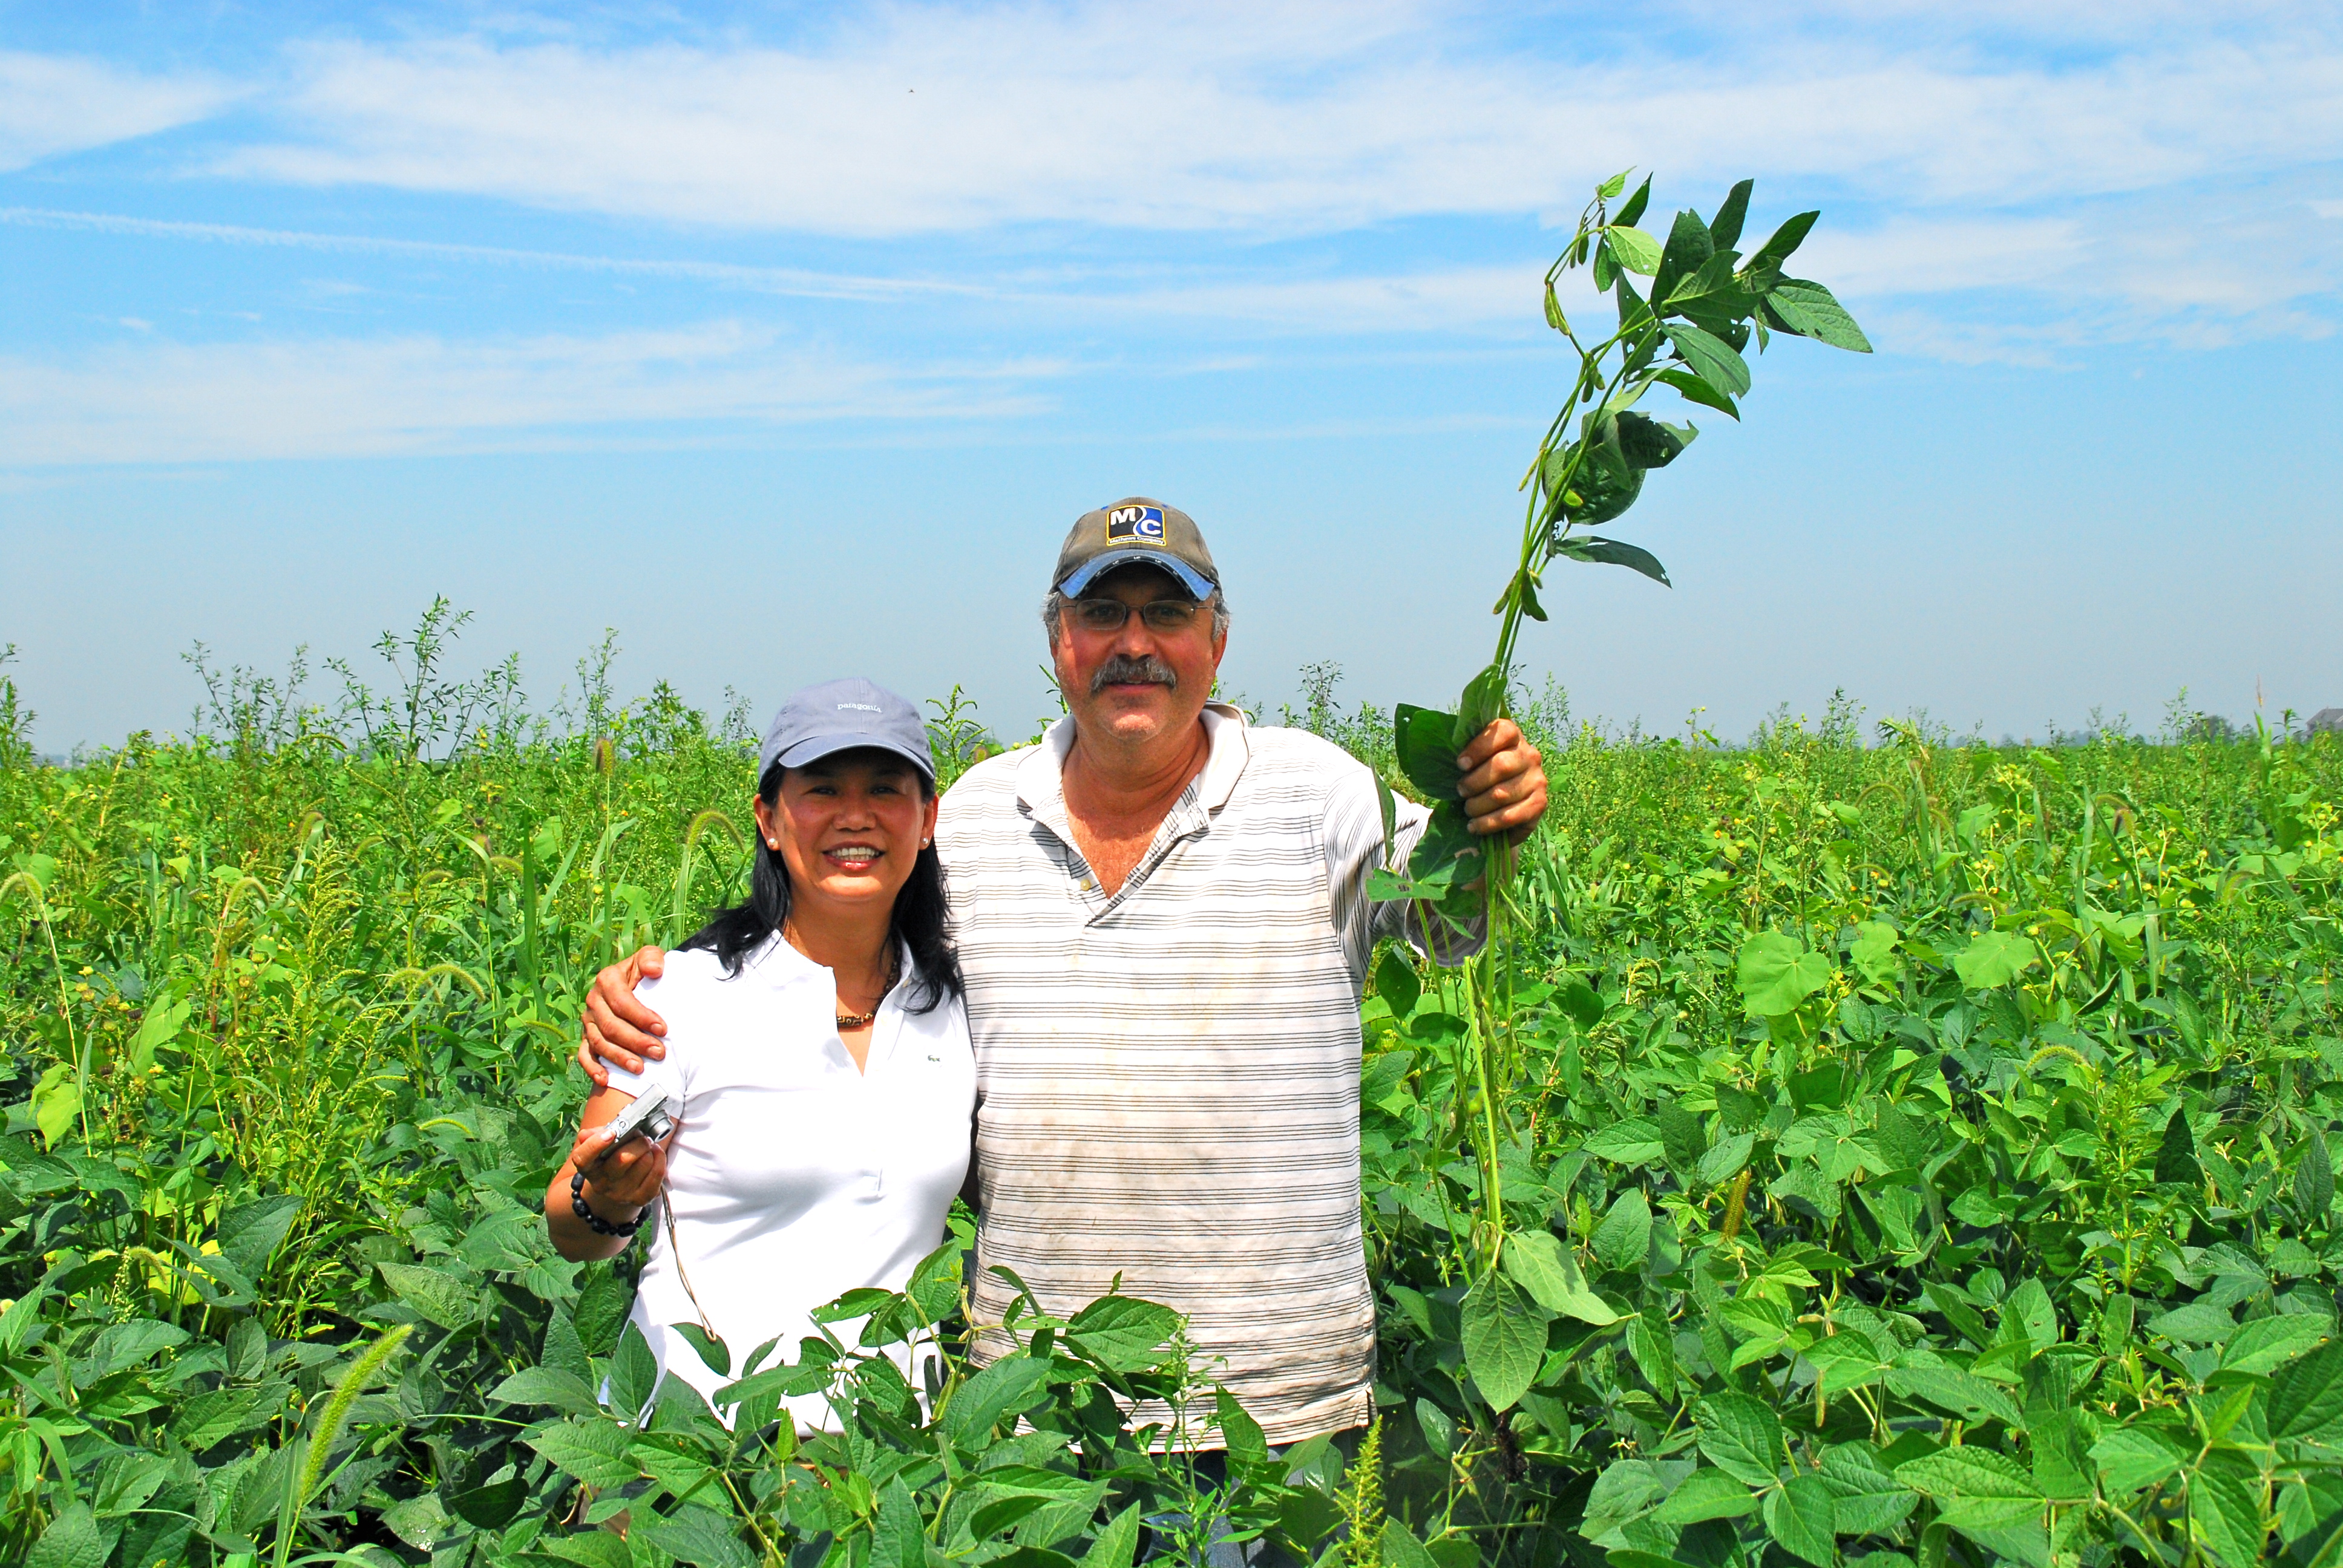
x=617 y=1025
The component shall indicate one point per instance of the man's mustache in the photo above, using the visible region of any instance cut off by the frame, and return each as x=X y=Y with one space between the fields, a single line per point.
x=1123 y=669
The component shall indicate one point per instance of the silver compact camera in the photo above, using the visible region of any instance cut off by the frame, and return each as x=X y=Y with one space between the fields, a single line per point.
x=650 y=1116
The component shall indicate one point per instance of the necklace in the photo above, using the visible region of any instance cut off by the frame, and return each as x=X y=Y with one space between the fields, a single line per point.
x=853 y=1021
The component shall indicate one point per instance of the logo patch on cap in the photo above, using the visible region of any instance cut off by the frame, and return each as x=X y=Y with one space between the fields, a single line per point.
x=1135 y=525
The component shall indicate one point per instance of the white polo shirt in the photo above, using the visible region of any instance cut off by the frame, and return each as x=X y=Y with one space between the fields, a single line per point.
x=795 y=1178
x=1169 y=1078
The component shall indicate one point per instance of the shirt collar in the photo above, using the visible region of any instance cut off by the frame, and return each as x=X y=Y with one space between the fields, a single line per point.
x=1041 y=775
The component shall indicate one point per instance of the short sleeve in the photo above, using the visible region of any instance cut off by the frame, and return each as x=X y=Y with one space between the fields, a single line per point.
x=666 y=1076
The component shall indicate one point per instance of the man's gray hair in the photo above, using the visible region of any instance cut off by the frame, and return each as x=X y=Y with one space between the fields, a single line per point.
x=1053 y=610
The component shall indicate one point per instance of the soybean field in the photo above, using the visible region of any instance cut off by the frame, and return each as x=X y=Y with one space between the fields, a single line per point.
x=1858 y=1148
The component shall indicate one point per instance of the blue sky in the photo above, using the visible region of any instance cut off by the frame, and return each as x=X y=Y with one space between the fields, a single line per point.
x=787 y=340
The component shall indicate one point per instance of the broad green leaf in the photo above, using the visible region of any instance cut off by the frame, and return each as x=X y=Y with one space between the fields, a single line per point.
x=1427 y=749
x=714 y=1352
x=895 y=1538
x=1968 y=1470
x=1609 y=189
x=1540 y=1264
x=1504 y=1340
x=2305 y=1395
x=1726 y=1160
x=1649 y=443
x=1633 y=211
x=1875 y=952
x=2132 y=1457
x=1725 y=228
x=1635 y=250
x=1995 y=958
x=1118 y=1544
x=1008 y=1387
x=634 y=1375
x=1695 y=390
x=159 y=1029
x=2314 y=1178
x=1711 y=358
x=1803 y=1518
x=595 y=1451
x=1612 y=552
x=2225 y=1513
x=72 y=1540
x=2198 y=1323
x=1401 y=1549
x=1742 y=1437
x=1625 y=1234
x=1777 y=973
x=56 y=1104
x=439 y=1297
x=2264 y=1346
x=564 y=1391
x=1785 y=240
x=1635 y=1141
x=1705 y=1495
x=1871 y=1501
x=1397 y=983
x=1123 y=1332
x=705 y=1538
x=1577 y=1000
x=1809 y=310
x=1688 y=250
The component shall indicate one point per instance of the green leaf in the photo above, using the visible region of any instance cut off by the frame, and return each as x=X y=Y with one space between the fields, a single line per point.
x=2224 y=1512
x=1599 y=551
x=493 y=1506
x=1633 y=1142
x=1995 y=958
x=594 y=1452
x=1577 y=1000
x=1635 y=250
x=1117 y=1544
x=1968 y=1470
x=1705 y=1495
x=1625 y=1236
x=1008 y=1387
x=1808 y=310
x=542 y=1386
x=2176 y=1157
x=1695 y=390
x=1609 y=189
x=1725 y=228
x=1688 y=250
x=2314 y=1178
x=1427 y=751
x=895 y=1539
x=1803 y=1518
x=1123 y=1333
x=1633 y=211
x=2132 y=1457
x=250 y=1233
x=72 y=1540
x=1504 y=1340
x=1871 y=1501
x=1651 y=443
x=1742 y=1437
x=2264 y=1346
x=1783 y=241
x=439 y=1297
x=1540 y=1264
x=1710 y=358
x=1401 y=1549
x=1777 y=973
x=159 y=1029
x=2305 y=1395
x=1397 y=983
x=634 y=1373
x=712 y=1350
x=56 y=1103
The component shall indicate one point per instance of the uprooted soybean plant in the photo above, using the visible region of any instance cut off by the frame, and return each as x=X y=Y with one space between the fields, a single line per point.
x=1898 y=1152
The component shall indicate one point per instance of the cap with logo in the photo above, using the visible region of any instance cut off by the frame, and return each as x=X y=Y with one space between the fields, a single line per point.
x=841 y=716
x=1135 y=528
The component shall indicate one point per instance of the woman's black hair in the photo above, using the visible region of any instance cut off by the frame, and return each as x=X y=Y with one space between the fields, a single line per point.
x=919 y=924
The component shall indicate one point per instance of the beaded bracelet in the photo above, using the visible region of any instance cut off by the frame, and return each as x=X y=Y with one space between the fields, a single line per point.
x=594 y=1222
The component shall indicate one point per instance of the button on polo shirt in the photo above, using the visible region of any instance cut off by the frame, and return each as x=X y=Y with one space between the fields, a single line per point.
x=795 y=1178
x=1167 y=1077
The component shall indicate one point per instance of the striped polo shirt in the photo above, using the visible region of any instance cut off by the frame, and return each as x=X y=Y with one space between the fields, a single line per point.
x=1167 y=1078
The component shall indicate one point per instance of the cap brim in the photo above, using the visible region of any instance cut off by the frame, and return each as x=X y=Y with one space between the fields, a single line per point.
x=1082 y=576
x=821 y=745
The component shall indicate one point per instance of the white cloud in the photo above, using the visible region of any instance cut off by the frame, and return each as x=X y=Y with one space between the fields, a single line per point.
x=1294 y=119
x=176 y=403
x=51 y=105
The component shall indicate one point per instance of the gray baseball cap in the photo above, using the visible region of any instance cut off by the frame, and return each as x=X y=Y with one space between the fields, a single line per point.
x=839 y=716
x=1135 y=528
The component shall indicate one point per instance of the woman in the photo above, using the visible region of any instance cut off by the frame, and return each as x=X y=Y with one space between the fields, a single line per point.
x=819 y=1050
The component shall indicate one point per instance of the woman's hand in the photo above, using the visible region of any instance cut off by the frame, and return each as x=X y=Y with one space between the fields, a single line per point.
x=621 y=1180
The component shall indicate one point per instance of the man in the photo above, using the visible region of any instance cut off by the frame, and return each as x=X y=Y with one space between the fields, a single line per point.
x=1162 y=920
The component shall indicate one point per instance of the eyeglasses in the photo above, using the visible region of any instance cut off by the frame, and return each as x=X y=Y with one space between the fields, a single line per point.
x=1160 y=615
